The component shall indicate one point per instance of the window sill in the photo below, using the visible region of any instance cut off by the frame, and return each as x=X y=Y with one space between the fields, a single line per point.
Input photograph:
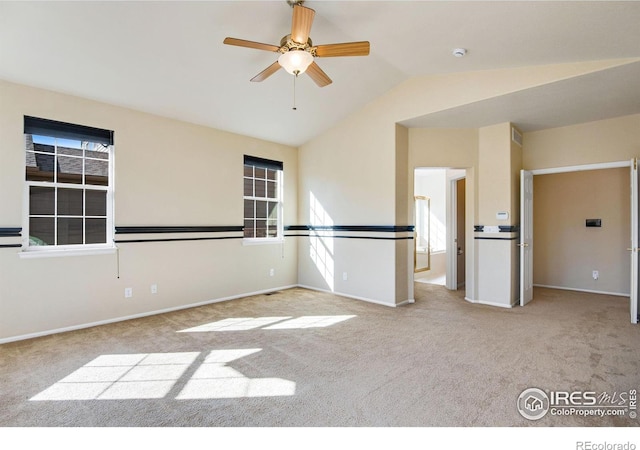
x=56 y=253
x=262 y=241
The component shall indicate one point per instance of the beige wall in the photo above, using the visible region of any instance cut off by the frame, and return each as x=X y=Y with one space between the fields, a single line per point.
x=589 y=143
x=565 y=251
x=494 y=173
x=443 y=147
x=403 y=213
x=499 y=162
x=167 y=173
x=516 y=167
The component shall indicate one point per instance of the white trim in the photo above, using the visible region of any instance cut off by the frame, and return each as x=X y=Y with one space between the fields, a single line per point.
x=53 y=252
x=138 y=316
x=262 y=241
x=481 y=302
x=451 y=250
x=452 y=225
x=590 y=291
x=406 y=302
x=598 y=166
x=364 y=299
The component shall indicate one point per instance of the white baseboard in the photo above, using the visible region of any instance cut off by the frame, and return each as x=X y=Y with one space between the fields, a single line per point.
x=481 y=302
x=590 y=291
x=406 y=302
x=364 y=299
x=138 y=316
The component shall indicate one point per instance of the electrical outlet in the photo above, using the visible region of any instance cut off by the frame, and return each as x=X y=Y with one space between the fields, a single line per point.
x=344 y=276
x=128 y=292
x=272 y=272
x=595 y=275
x=154 y=288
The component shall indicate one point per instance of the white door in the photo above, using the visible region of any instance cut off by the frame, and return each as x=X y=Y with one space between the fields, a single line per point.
x=634 y=242
x=526 y=237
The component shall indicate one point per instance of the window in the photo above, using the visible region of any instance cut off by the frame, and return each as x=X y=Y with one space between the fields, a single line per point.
x=68 y=185
x=262 y=198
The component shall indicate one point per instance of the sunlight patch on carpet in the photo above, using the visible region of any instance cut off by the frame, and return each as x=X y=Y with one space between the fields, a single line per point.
x=268 y=323
x=214 y=379
x=235 y=324
x=309 y=322
x=145 y=375
x=153 y=375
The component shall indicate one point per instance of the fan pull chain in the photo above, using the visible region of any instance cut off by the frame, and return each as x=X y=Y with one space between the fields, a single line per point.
x=294 y=90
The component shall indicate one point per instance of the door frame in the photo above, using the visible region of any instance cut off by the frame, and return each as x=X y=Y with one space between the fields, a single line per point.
x=635 y=237
x=526 y=237
x=451 y=279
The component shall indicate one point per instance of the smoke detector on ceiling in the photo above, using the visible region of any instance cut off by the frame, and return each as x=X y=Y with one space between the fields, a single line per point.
x=459 y=52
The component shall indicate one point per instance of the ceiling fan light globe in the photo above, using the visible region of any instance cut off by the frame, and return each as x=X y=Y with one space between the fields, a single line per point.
x=295 y=61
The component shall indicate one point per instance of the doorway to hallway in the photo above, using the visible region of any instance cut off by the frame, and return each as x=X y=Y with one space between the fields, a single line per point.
x=439 y=219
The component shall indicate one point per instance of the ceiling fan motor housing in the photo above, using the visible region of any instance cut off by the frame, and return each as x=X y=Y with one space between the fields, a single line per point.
x=287 y=44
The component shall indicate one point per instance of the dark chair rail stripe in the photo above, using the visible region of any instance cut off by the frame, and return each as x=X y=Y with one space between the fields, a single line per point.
x=479 y=238
x=356 y=228
x=501 y=228
x=178 y=229
x=10 y=232
x=375 y=238
x=130 y=241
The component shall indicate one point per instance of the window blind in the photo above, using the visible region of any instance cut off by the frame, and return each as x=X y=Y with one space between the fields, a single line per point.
x=53 y=128
x=262 y=163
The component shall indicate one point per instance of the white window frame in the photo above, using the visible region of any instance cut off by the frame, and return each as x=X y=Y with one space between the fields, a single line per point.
x=31 y=251
x=279 y=238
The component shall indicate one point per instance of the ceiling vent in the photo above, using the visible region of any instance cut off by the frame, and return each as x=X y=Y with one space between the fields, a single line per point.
x=516 y=136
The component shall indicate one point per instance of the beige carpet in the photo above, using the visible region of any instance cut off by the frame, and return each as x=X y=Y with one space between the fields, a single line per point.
x=303 y=358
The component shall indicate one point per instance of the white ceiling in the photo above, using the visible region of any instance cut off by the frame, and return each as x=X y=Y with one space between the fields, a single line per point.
x=168 y=58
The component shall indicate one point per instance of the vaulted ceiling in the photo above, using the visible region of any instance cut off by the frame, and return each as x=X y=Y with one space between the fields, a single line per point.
x=168 y=58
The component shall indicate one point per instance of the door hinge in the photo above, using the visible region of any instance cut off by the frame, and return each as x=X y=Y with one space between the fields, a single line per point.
x=635 y=164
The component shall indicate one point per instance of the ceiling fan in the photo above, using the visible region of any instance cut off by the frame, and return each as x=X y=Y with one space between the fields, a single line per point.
x=298 y=52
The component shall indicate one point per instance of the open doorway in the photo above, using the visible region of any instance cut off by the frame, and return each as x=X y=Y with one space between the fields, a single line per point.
x=439 y=218
x=580 y=221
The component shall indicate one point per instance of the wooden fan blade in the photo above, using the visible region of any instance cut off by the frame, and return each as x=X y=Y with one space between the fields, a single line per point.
x=344 y=49
x=301 y=23
x=317 y=75
x=266 y=73
x=251 y=44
